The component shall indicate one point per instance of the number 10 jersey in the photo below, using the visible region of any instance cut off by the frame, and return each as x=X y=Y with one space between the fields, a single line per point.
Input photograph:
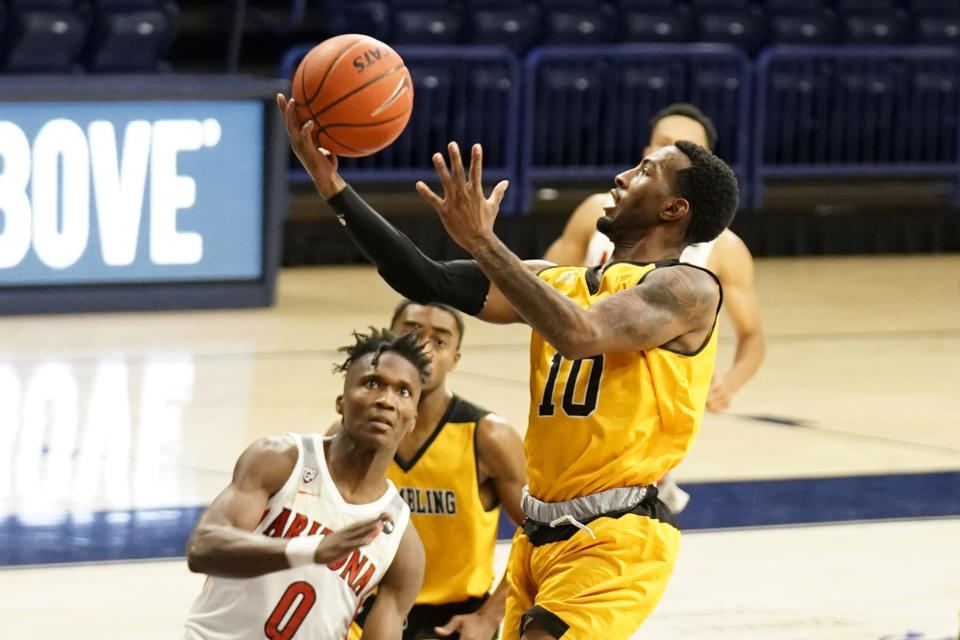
x=617 y=419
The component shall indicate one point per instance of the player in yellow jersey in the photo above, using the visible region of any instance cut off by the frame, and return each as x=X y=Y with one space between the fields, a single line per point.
x=621 y=357
x=455 y=469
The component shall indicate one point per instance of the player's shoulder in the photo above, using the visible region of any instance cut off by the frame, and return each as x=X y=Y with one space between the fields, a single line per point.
x=462 y=410
x=730 y=257
x=283 y=445
x=681 y=284
x=269 y=456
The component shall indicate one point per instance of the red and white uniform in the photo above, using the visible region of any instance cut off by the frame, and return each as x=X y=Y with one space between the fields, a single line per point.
x=313 y=601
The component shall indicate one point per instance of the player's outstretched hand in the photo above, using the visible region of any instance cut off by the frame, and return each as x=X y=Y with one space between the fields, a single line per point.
x=339 y=543
x=466 y=213
x=320 y=164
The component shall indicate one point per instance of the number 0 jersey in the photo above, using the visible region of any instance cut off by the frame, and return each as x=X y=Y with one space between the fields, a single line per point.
x=612 y=420
x=313 y=601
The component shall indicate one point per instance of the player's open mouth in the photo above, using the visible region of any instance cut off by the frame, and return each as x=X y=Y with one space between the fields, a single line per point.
x=611 y=204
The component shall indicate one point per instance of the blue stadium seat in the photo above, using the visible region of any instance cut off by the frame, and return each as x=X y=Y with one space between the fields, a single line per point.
x=569 y=101
x=44 y=35
x=579 y=24
x=130 y=35
x=936 y=21
x=745 y=29
x=803 y=27
x=655 y=25
x=870 y=6
x=875 y=27
x=371 y=17
x=426 y=25
x=934 y=6
x=793 y=5
x=624 y=5
x=512 y=24
x=722 y=5
x=937 y=28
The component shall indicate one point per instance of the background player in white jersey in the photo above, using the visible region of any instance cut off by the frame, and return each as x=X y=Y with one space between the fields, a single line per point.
x=310 y=524
x=727 y=256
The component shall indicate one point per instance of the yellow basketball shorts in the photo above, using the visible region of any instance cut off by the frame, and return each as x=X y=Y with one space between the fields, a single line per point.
x=577 y=587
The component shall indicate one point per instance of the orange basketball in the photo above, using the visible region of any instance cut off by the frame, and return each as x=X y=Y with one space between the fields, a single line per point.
x=357 y=91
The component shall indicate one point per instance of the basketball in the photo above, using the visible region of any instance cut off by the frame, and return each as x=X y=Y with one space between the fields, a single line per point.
x=357 y=91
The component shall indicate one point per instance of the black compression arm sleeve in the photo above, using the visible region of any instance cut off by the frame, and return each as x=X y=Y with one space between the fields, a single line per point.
x=459 y=283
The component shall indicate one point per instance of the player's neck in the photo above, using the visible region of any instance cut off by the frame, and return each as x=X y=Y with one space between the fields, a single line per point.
x=359 y=473
x=652 y=247
x=431 y=408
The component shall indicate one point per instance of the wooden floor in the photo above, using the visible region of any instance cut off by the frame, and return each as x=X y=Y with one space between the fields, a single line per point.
x=133 y=411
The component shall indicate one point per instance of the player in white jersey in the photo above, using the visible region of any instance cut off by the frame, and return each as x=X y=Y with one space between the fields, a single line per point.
x=311 y=524
x=726 y=256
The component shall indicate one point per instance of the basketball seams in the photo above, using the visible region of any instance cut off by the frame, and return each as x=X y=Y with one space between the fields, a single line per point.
x=356 y=90
x=345 y=146
x=365 y=124
x=326 y=73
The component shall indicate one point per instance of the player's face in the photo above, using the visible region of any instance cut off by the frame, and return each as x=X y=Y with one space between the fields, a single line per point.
x=641 y=194
x=438 y=332
x=379 y=403
x=673 y=128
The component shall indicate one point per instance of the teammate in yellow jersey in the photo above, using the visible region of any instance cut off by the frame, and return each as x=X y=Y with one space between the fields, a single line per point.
x=621 y=357
x=455 y=469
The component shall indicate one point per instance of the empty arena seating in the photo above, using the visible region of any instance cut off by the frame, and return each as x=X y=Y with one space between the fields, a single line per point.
x=43 y=35
x=849 y=111
x=130 y=35
x=63 y=36
x=586 y=108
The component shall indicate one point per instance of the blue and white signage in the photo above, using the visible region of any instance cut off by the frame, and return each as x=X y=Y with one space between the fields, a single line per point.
x=118 y=192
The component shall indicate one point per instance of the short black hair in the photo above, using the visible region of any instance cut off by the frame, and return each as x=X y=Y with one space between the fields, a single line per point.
x=687 y=110
x=380 y=341
x=710 y=187
x=457 y=316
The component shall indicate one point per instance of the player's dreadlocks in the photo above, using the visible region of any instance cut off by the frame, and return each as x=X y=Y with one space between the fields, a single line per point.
x=380 y=341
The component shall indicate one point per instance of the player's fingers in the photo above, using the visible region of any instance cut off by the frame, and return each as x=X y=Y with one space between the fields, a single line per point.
x=476 y=167
x=497 y=196
x=429 y=196
x=306 y=135
x=440 y=165
x=282 y=103
x=290 y=116
x=456 y=163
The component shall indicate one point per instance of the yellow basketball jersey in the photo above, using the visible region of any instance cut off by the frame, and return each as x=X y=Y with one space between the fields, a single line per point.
x=611 y=420
x=441 y=487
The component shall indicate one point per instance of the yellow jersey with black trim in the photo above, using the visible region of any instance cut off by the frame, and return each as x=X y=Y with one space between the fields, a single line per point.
x=440 y=484
x=615 y=419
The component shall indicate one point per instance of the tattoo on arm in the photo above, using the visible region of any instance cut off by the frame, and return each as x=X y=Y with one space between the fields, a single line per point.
x=677 y=295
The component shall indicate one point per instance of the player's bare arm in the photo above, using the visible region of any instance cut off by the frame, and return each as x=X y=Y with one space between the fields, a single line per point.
x=222 y=543
x=734 y=266
x=501 y=463
x=673 y=307
x=571 y=247
x=397 y=591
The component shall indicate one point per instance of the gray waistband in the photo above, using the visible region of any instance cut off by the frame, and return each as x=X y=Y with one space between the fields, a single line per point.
x=583 y=508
